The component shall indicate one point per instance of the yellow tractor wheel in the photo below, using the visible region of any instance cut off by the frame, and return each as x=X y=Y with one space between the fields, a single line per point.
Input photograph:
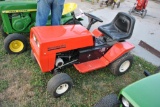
x=15 y=43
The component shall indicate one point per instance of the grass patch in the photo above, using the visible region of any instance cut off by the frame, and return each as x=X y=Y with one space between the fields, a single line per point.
x=24 y=85
x=3 y=85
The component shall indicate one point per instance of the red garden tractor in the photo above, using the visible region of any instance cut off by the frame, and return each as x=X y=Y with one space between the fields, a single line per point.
x=56 y=47
x=140 y=8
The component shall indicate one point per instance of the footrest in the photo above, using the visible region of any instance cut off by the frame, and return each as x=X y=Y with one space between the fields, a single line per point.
x=91 y=65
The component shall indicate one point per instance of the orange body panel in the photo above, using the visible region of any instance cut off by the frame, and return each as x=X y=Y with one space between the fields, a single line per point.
x=55 y=39
x=117 y=50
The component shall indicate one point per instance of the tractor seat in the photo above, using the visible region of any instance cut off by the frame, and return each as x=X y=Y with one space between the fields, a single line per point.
x=120 y=28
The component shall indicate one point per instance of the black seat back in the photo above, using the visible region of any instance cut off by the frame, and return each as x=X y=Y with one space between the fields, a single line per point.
x=123 y=23
x=120 y=28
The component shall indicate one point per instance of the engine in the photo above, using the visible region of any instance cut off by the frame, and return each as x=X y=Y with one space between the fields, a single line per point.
x=66 y=58
x=20 y=21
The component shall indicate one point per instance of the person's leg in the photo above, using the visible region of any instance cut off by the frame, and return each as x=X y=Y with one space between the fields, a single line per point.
x=43 y=10
x=56 y=12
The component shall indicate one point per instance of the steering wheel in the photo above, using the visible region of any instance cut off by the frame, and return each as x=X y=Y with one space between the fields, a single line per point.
x=93 y=17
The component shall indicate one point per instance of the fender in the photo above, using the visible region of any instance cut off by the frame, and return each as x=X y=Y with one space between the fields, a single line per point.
x=117 y=50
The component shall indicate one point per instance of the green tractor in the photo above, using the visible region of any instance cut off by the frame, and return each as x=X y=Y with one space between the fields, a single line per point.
x=18 y=17
x=143 y=93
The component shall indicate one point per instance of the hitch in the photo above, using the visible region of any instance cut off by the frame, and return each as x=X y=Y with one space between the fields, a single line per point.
x=146 y=73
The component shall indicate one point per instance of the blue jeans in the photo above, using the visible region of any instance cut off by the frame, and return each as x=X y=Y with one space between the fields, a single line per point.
x=44 y=7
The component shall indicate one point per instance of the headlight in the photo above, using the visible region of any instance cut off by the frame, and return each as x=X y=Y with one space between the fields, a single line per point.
x=36 y=41
x=34 y=38
x=125 y=102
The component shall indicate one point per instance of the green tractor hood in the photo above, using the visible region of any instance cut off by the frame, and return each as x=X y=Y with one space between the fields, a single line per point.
x=144 y=93
x=17 y=6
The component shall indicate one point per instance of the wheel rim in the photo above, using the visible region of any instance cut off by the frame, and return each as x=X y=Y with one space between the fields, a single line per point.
x=62 y=88
x=125 y=65
x=16 y=46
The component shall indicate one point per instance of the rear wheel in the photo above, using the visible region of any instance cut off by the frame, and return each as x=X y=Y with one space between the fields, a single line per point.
x=108 y=101
x=118 y=4
x=122 y=65
x=70 y=22
x=15 y=43
x=144 y=13
x=59 y=84
x=131 y=10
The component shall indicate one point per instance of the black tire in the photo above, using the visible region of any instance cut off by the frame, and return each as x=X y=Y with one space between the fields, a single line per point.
x=118 y=4
x=61 y=80
x=144 y=13
x=71 y=22
x=106 y=2
x=4 y=34
x=122 y=64
x=131 y=10
x=33 y=57
x=15 y=43
x=110 y=100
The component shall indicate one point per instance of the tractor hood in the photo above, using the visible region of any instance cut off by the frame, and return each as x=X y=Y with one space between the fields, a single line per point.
x=62 y=38
x=144 y=93
x=16 y=6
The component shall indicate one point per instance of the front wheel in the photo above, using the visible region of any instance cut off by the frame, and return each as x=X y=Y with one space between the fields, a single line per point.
x=118 y=4
x=59 y=84
x=144 y=13
x=15 y=43
x=122 y=65
x=131 y=10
